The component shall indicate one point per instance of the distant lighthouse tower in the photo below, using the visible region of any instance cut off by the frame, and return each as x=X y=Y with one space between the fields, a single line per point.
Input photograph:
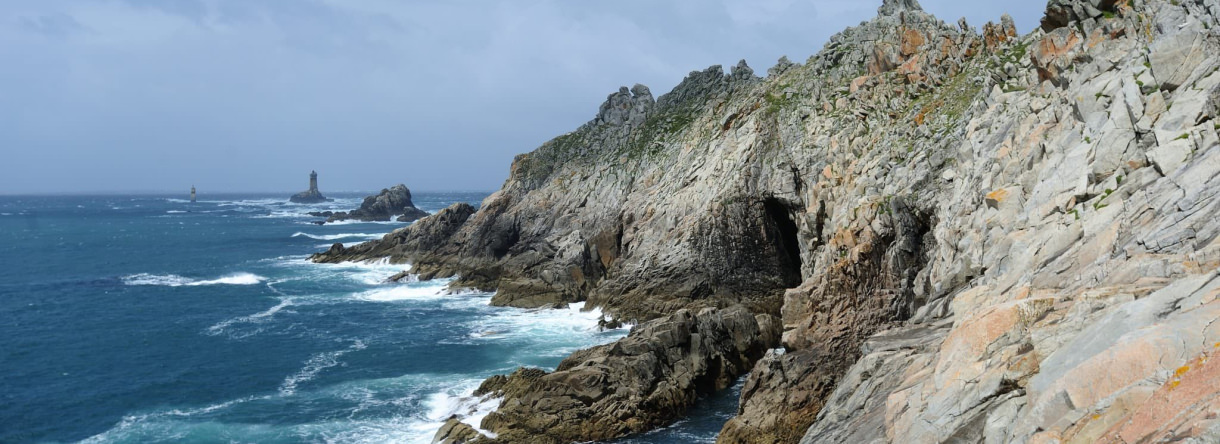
x=313 y=195
x=192 y=194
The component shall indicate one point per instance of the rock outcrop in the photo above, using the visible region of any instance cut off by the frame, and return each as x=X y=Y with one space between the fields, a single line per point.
x=312 y=195
x=643 y=381
x=967 y=236
x=392 y=203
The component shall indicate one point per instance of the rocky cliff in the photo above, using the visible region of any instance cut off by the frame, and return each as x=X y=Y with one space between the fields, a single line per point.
x=968 y=235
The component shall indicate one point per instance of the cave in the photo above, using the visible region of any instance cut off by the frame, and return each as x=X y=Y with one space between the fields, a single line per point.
x=784 y=235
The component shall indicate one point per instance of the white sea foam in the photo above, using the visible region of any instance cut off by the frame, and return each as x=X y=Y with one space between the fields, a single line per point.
x=355 y=222
x=460 y=400
x=257 y=318
x=369 y=236
x=532 y=323
x=423 y=291
x=174 y=212
x=367 y=272
x=315 y=365
x=173 y=280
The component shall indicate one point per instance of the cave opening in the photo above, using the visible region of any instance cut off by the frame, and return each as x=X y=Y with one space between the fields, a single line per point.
x=786 y=240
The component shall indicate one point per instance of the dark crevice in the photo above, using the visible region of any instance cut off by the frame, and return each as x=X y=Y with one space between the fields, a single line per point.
x=501 y=248
x=786 y=240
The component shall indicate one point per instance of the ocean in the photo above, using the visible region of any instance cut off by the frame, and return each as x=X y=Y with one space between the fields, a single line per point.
x=151 y=319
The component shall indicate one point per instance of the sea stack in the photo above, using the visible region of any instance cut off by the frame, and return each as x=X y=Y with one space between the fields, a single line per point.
x=311 y=196
x=392 y=203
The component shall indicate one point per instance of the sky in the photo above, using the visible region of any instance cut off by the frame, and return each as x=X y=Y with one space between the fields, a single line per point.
x=108 y=96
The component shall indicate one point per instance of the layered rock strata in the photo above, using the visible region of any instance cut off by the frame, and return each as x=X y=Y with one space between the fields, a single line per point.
x=641 y=382
x=967 y=236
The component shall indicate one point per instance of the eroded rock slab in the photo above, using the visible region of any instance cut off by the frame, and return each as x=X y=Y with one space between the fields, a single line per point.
x=646 y=380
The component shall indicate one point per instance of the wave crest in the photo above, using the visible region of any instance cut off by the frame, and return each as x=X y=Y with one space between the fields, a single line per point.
x=337 y=236
x=173 y=280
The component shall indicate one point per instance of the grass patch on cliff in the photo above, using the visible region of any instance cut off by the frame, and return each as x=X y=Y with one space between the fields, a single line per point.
x=649 y=140
x=950 y=100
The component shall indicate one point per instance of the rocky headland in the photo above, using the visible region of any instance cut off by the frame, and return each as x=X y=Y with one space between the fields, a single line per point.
x=958 y=235
x=392 y=203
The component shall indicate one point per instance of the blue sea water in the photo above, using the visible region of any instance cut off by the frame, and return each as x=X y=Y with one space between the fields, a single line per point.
x=152 y=319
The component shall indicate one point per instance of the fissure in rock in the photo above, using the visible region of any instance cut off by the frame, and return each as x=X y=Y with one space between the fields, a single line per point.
x=785 y=236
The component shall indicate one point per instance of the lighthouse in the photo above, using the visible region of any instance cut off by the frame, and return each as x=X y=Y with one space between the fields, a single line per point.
x=192 y=194
x=312 y=195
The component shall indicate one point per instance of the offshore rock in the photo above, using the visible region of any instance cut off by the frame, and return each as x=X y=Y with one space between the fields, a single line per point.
x=646 y=380
x=312 y=195
x=393 y=203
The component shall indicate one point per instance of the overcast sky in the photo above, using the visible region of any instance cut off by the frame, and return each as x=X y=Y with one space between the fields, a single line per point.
x=249 y=95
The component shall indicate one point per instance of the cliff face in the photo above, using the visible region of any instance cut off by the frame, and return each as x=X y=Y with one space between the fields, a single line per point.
x=968 y=236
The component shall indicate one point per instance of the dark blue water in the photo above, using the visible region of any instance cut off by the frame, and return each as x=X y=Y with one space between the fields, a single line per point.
x=151 y=319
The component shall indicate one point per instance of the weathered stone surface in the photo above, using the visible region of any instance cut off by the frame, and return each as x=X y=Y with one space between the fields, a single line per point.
x=456 y=432
x=967 y=239
x=392 y=203
x=645 y=380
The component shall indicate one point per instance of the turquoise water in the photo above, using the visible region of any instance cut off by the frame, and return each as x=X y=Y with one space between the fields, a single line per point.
x=151 y=319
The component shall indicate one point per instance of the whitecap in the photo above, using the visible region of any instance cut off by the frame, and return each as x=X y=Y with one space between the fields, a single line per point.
x=460 y=401
x=234 y=279
x=315 y=365
x=174 y=212
x=571 y=322
x=173 y=280
x=427 y=291
x=369 y=236
x=354 y=222
x=374 y=272
x=257 y=318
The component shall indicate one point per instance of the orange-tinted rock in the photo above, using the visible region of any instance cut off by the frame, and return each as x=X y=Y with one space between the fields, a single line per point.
x=1054 y=53
x=911 y=41
x=1183 y=407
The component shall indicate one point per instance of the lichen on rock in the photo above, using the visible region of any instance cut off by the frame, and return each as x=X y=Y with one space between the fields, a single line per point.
x=964 y=237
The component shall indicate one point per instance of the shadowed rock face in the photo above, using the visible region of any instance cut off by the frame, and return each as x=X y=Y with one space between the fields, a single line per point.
x=392 y=203
x=967 y=237
x=643 y=381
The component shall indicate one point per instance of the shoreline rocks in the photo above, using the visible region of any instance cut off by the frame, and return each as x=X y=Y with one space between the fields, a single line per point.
x=967 y=236
x=643 y=381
